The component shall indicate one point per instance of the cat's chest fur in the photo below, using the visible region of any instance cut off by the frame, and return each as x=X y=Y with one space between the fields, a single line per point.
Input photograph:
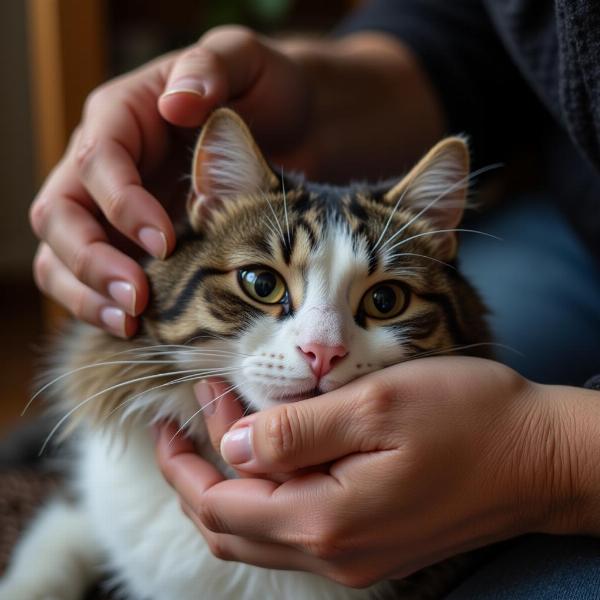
x=154 y=550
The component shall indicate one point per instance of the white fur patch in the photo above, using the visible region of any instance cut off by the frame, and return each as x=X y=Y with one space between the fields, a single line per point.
x=274 y=368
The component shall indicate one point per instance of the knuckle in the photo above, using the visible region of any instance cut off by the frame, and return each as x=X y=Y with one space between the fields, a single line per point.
x=199 y=55
x=376 y=399
x=41 y=268
x=79 y=305
x=115 y=206
x=210 y=519
x=38 y=215
x=282 y=433
x=352 y=578
x=236 y=33
x=85 y=153
x=326 y=550
x=219 y=548
x=81 y=260
x=327 y=543
x=97 y=97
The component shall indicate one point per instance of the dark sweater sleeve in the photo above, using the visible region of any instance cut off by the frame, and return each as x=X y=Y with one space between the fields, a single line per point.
x=482 y=91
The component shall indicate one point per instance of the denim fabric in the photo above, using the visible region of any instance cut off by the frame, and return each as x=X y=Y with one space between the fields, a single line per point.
x=538 y=567
x=544 y=292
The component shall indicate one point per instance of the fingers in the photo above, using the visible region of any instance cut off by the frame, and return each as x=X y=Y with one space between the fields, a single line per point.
x=253 y=508
x=121 y=132
x=260 y=554
x=311 y=432
x=111 y=178
x=223 y=65
x=58 y=282
x=295 y=525
x=116 y=138
x=349 y=567
x=88 y=255
x=71 y=230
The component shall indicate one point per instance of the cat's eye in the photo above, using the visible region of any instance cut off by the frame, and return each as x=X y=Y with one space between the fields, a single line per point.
x=263 y=285
x=385 y=300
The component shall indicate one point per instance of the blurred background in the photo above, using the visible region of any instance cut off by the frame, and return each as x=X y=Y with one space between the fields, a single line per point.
x=54 y=52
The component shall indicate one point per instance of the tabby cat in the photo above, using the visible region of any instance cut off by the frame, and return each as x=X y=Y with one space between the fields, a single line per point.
x=286 y=289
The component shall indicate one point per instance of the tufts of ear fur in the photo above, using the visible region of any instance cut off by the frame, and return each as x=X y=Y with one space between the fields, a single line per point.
x=226 y=164
x=437 y=187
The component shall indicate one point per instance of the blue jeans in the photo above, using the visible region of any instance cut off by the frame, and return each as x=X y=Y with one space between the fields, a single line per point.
x=543 y=289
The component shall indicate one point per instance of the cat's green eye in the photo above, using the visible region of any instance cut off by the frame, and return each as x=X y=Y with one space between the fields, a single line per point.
x=385 y=300
x=263 y=285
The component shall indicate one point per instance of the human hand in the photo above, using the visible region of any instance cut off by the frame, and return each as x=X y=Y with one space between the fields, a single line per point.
x=425 y=460
x=116 y=178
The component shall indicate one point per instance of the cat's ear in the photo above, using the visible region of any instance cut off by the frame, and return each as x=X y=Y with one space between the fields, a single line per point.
x=438 y=185
x=226 y=164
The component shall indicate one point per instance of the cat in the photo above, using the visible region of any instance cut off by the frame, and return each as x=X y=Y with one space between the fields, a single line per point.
x=286 y=289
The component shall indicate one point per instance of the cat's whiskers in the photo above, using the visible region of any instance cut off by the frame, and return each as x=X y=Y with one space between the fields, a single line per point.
x=178 y=380
x=438 y=231
x=199 y=372
x=405 y=271
x=195 y=354
x=270 y=204
x=449 y=190
x=389 y=220
x=269 y=225
x=199 y=411
x=285 y=210
x=425 y=256
x=176 y=347
x=212 y=337
x=459 y=348
x=87 y=367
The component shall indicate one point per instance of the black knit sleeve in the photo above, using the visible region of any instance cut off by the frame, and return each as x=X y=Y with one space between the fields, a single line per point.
x=480 y=88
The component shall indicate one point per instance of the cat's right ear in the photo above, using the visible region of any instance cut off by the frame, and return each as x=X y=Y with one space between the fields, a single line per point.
x=227 y=163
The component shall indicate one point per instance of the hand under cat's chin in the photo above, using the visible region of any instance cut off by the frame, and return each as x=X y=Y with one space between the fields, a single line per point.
x=438 y=445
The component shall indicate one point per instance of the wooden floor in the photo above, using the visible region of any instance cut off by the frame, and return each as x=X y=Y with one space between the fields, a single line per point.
x=20 y=343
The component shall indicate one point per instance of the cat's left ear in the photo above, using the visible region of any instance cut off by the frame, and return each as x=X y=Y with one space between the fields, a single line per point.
x=227 y=163
x=438 y=185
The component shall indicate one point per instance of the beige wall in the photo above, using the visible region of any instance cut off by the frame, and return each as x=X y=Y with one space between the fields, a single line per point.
x=17 y=183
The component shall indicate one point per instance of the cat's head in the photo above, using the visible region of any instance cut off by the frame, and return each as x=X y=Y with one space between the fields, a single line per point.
x=295 y=288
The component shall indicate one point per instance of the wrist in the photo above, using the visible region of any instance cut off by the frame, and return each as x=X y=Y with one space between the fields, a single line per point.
x=572 y=461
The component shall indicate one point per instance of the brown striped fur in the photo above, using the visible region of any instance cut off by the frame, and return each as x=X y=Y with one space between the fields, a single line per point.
x=196 y=296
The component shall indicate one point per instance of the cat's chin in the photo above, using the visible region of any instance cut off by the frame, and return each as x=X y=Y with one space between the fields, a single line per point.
x=270 y=401
x=299 y=396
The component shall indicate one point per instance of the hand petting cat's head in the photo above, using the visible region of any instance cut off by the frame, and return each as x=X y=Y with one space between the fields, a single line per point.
x=297 y=288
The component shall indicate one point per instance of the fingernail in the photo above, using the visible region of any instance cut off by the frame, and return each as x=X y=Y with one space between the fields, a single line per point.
x=236 y=446
x=154 y=241
x=124 y=293
x=205 y=396
x=114 y=319
x=187 y=85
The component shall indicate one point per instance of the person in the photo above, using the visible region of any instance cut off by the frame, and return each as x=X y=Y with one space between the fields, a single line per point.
x=425 y=459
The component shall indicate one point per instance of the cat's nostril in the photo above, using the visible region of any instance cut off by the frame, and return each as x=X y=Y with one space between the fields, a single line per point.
x=321 y=358
x=335 y=360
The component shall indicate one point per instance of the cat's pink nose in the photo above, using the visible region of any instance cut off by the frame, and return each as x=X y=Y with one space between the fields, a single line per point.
x=322 y=358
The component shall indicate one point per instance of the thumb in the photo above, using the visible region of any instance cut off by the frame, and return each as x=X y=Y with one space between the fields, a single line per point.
x=297 y=435
x=222 y=66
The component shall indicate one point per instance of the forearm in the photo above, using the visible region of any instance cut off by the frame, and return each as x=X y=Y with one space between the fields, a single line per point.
x=373 y=110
